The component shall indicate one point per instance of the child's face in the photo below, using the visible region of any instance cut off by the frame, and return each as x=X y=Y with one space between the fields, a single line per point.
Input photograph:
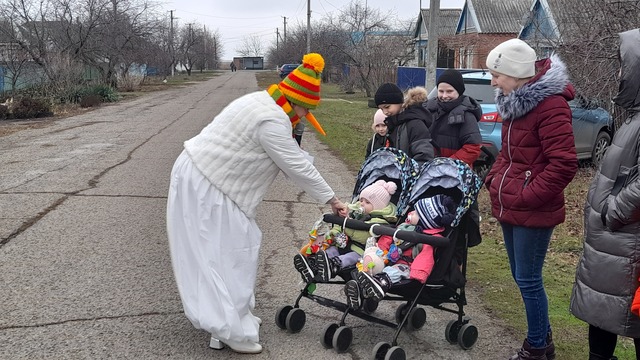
x=366 y=205
x=381 y=129
x=390 y=109
x=446 y=92
x=413 y=218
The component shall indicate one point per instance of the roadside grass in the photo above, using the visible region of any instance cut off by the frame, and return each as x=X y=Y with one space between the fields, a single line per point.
x=347 y=121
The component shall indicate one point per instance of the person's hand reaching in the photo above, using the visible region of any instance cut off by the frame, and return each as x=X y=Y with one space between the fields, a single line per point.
x=338 y=207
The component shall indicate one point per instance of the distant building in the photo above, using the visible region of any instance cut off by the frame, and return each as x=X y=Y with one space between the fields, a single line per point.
x=249 y=62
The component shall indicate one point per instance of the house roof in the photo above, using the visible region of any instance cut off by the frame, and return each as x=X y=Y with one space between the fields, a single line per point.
x=448 y=20
x=493 y=17
x=550 y=19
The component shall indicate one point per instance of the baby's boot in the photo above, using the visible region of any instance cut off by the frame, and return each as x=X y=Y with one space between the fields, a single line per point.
x=304 y=268
x=352 y=290
x=327 y=267
x=374 y=286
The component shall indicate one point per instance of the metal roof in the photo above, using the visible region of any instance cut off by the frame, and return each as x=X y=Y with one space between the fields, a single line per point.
x=499 y=16
x=447 y=21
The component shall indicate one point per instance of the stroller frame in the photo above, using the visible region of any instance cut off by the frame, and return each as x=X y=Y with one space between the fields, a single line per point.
x=408 y=315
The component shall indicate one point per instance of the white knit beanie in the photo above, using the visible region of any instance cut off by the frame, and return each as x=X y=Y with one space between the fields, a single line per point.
x=378 y=118
x=513 y=58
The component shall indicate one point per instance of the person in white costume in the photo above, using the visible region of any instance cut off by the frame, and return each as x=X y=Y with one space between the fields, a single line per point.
x=217 y=182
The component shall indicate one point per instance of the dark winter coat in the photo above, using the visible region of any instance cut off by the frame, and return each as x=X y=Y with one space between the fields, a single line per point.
x=538 y=156
x=408 y=132
x=376 y=142
x=608 y=270
x=455 y=133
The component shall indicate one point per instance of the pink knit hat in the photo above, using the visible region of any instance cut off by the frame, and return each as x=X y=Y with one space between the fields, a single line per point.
x=379 y=193
x=378 y=118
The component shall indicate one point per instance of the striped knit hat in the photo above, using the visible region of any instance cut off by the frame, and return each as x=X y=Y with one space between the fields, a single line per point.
x=302 y=85
x=436 y=211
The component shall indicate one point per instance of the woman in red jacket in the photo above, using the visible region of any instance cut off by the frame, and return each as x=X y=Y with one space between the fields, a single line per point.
x=526 y=183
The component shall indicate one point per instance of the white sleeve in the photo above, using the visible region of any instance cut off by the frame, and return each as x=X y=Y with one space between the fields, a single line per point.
x=277 y=140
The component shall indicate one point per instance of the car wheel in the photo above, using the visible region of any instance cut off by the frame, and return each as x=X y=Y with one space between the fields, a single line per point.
x=603 y=140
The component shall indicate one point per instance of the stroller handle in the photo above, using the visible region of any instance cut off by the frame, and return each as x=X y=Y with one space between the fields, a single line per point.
x=410 y=236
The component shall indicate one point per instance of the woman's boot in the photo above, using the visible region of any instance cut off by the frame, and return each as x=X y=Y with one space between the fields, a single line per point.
x=550 y=350
x=526 y=352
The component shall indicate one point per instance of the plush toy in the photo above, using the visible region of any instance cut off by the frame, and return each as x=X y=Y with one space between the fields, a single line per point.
x=373 y=260
x=318 y=239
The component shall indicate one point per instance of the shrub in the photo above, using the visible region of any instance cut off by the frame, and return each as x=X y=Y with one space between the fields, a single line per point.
x=107 y=93
x=4 y=111
x=90 y=101
x=27 y=107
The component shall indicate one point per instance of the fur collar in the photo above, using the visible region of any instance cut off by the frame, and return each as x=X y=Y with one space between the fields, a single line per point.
x=552 y=79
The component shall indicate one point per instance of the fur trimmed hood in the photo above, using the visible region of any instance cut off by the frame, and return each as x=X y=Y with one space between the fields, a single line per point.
x=551 y=79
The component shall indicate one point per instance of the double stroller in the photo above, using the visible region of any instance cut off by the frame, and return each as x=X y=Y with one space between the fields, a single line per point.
x=444 y=288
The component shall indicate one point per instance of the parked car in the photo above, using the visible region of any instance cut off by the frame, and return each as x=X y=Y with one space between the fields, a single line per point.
x=286 y=69
x=592 y=125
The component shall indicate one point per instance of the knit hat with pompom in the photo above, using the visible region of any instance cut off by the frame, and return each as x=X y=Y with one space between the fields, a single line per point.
x=436 y=211
x=302 y=85
x=379 y=193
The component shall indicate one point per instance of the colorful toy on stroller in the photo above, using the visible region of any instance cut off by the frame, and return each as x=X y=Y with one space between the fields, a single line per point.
x=445 y=283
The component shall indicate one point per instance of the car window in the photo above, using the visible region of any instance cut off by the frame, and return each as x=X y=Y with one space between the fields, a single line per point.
x=482 y=92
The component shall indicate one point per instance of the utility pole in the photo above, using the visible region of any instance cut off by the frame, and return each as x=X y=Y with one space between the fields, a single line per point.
x=285 y=30
x=173 y=55
x=432 y=45
x=308 y=26
x=277 y=39
x=204 y=27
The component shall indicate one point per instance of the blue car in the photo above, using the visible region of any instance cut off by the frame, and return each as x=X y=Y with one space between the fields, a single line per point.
x=286 y=69
x=592 y=125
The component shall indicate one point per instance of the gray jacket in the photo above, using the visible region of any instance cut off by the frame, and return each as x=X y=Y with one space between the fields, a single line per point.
x=608 y=270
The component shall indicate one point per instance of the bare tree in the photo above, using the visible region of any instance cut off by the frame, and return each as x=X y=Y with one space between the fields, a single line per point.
x=587 y=40
x=251 y=46
x=372 y=48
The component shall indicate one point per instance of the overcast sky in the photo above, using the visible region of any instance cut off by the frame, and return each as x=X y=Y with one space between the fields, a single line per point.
x=238 y=19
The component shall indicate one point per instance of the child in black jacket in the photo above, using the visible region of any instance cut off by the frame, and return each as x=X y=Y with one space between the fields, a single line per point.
x=380 y=137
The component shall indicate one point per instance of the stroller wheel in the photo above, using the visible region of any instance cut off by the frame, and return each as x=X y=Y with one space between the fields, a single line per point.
x=452 y=330
x=395 y=353
x=401 y=312
x=281 y=316
x=327 y=335
x=417 y=319
x=342 y=339
x=295 y=320
x=380 y=350
x=370 y=306
x=468 y=336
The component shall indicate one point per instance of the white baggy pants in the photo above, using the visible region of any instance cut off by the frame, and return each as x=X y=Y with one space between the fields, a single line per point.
x=214 y=252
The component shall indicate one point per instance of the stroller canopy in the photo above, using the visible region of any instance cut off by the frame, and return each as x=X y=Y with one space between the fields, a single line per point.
x=448 y=174
x=388 y=164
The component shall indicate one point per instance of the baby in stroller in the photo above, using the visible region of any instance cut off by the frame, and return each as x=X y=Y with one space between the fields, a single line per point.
x=328 y=252
x=391 y=260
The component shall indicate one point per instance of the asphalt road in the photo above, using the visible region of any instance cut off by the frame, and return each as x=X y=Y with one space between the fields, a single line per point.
x=85 y=271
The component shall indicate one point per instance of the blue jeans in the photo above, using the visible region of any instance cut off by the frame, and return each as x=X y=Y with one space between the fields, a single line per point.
x=527 y=248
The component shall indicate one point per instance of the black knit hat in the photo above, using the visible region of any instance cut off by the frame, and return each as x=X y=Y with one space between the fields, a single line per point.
x=389 y=93
x=454 y=78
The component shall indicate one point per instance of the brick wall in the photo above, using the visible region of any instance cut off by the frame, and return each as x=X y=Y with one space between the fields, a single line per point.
x=472 y=49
